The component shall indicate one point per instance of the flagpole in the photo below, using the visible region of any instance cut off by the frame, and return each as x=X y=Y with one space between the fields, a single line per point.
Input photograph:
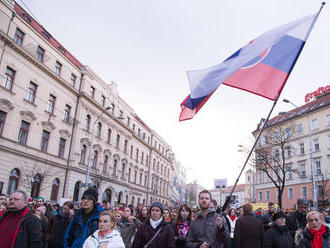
x=248 y=157
x=316 y=17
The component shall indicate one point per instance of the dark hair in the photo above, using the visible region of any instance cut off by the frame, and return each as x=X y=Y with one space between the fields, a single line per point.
x=214 y=202
x=271 y=204
x=247 y=208
x=185 y=206
x=2 y=195
x=205 y=191
x=69 y=204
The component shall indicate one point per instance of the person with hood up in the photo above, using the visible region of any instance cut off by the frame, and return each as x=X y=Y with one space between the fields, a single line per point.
x=85 y=221
x=106 y=236
x=279 y=236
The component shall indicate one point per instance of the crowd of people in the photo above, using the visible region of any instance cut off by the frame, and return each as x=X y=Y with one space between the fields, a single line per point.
x=26 y=223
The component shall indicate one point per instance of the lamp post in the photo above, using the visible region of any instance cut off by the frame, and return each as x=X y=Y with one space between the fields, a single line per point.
x=90 y=148
x=310 y=151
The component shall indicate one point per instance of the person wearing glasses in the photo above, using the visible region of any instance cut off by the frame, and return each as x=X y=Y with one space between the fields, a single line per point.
x=85 y=221
x=316 y=234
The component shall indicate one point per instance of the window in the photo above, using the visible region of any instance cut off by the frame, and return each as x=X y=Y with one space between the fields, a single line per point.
x=51 y=104
x=145 y=180
x=315 y=124
x=267 y=196
x=300 y=128
x=302 y=170
x=92 y=91
x=61 y=148
x=137 y=155
x=142 y=158
x=302 y=148
x=316 y=145
x=73 y=79
x=123 y=171
x=117 y=141
x=58 y=68
x=129 y=174
x=112 y=108
x=139 y=131
x=318 y=167
x=135 y=176
x=289 y=173
x=147 y=158
x=9 y=78
x=105 y=163
x=125 y=146
x=13 y=181
x=76 y=191
x=19 y=37
x=2 y=120
x=320 y=191
x=266 y=139
x=276 y=154
x=32 y=92
x=99 y=130
x=131 y=153
x=44 y=141
x=128 y=121
x=95 y=159
x=55 y=188
x=328 y=120
x=288 y=152
x=109 y=136
x=276 y=136
x=67 y=110
x=290 y=193
x=88 y=122
x=83 y=154
x=40 y=54
x=103 y=100
x=304 y=192
x=288 y=133
x=259 y=177
x=23 y=132
x=260 y=196
x=133 y=127
x=140 y=181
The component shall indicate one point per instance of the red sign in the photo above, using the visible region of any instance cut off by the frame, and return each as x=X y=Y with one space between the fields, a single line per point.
x=320 y=91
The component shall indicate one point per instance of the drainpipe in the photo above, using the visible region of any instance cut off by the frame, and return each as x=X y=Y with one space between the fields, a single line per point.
x=72 y=134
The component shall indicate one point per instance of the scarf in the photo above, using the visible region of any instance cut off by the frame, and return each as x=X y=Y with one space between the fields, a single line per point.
x=317 y=237
x=155 y=223
x=183 y=228
x=232 y=217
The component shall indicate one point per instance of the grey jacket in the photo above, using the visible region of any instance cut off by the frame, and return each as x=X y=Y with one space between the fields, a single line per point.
x=205 y=229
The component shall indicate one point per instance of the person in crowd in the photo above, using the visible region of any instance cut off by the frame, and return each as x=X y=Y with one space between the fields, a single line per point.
x=209 y=229
x=143 y=215
x=174 y=214
x=118 y=215
x=139 y=208
x=167 y=215
x=84 y=222
x=181 y=226
x=155 y=232
x=278 y=235
x=40 y=201
x=19 y=228
x=258 y=214
x=128 y=226
x=249 y=232
x=40 y=213
x=106 y=236
x=316 y=234
x=267 y=218
x=57 y=225
x=193 y=213
x=297 y=220
x=3 y=203
x=231 y=221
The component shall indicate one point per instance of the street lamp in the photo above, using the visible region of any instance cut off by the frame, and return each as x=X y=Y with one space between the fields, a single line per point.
x=90 y=148
x=310 y=150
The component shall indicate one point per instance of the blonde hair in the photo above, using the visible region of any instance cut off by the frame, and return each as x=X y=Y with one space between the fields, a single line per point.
x=314 y=212
x=111 y=215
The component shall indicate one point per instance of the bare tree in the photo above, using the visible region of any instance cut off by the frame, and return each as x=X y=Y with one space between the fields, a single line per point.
x=34 y=178
x=97 y=180
x=271 y=157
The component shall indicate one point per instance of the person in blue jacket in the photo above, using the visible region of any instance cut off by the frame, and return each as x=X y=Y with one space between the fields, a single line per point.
x=85 y=221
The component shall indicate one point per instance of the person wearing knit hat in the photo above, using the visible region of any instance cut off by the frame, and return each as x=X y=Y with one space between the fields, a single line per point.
x=158 y=205
x=85 y=220
x=278 y=235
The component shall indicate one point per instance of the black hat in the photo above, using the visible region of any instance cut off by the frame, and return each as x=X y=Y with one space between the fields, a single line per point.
x=92 y=194
x=277 y=215
x=158 y=205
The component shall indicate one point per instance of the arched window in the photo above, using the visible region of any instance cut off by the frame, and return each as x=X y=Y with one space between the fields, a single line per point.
x=95 y=159
x=125 y=146
x=131 y=151
x=109 y=136
x=123 y=170
x=99 y=130
x=88 y=122
x=133 y=200
x=117 y=141
x=35 y=185
x=55 y=187
x=76 y=191
x=83 y=154
x=13 y=181
x=105 y=163
x=114 y=172
x=145 y=180
x=126 y=199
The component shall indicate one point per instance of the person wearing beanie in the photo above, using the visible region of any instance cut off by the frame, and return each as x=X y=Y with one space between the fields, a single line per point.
x=279 y=236
x=85 y=221
x=155 y=231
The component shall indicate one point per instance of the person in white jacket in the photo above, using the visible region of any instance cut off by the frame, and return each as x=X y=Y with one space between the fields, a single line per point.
x=106 y=236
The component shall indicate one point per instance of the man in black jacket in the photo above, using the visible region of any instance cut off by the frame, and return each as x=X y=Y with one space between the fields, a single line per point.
x=19 y=228
x=297 y=220
x=267 y=218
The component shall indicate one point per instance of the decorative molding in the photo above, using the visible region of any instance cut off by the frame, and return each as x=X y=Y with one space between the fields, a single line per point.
x=97 y=147
x=48 y=125
x=28 y=116
x=124 y=161
x=65 y=134
x=107 y=152
x=6 y=105
x=85 y=141
x=116 y=156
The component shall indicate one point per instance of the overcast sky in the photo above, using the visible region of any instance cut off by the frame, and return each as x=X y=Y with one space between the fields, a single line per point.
x=146 y=47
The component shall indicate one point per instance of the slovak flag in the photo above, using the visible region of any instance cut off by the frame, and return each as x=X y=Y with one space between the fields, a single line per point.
x=260 y=67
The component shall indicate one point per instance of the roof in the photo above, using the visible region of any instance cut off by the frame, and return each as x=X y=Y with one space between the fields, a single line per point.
x=43 y=32
x=297 y=112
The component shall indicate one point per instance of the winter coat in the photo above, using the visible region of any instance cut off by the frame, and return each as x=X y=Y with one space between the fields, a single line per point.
x=29 y=231
x=165 y=239
x=111 y=240
x=304 y=238
x=278 y=237
x=205 y=229
x=180 y=241
x=56 y=230
x=296 y=221
x=128 y=230
x=266 y=219
x=231 y=225
x=78 y=230
x=249 y=232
